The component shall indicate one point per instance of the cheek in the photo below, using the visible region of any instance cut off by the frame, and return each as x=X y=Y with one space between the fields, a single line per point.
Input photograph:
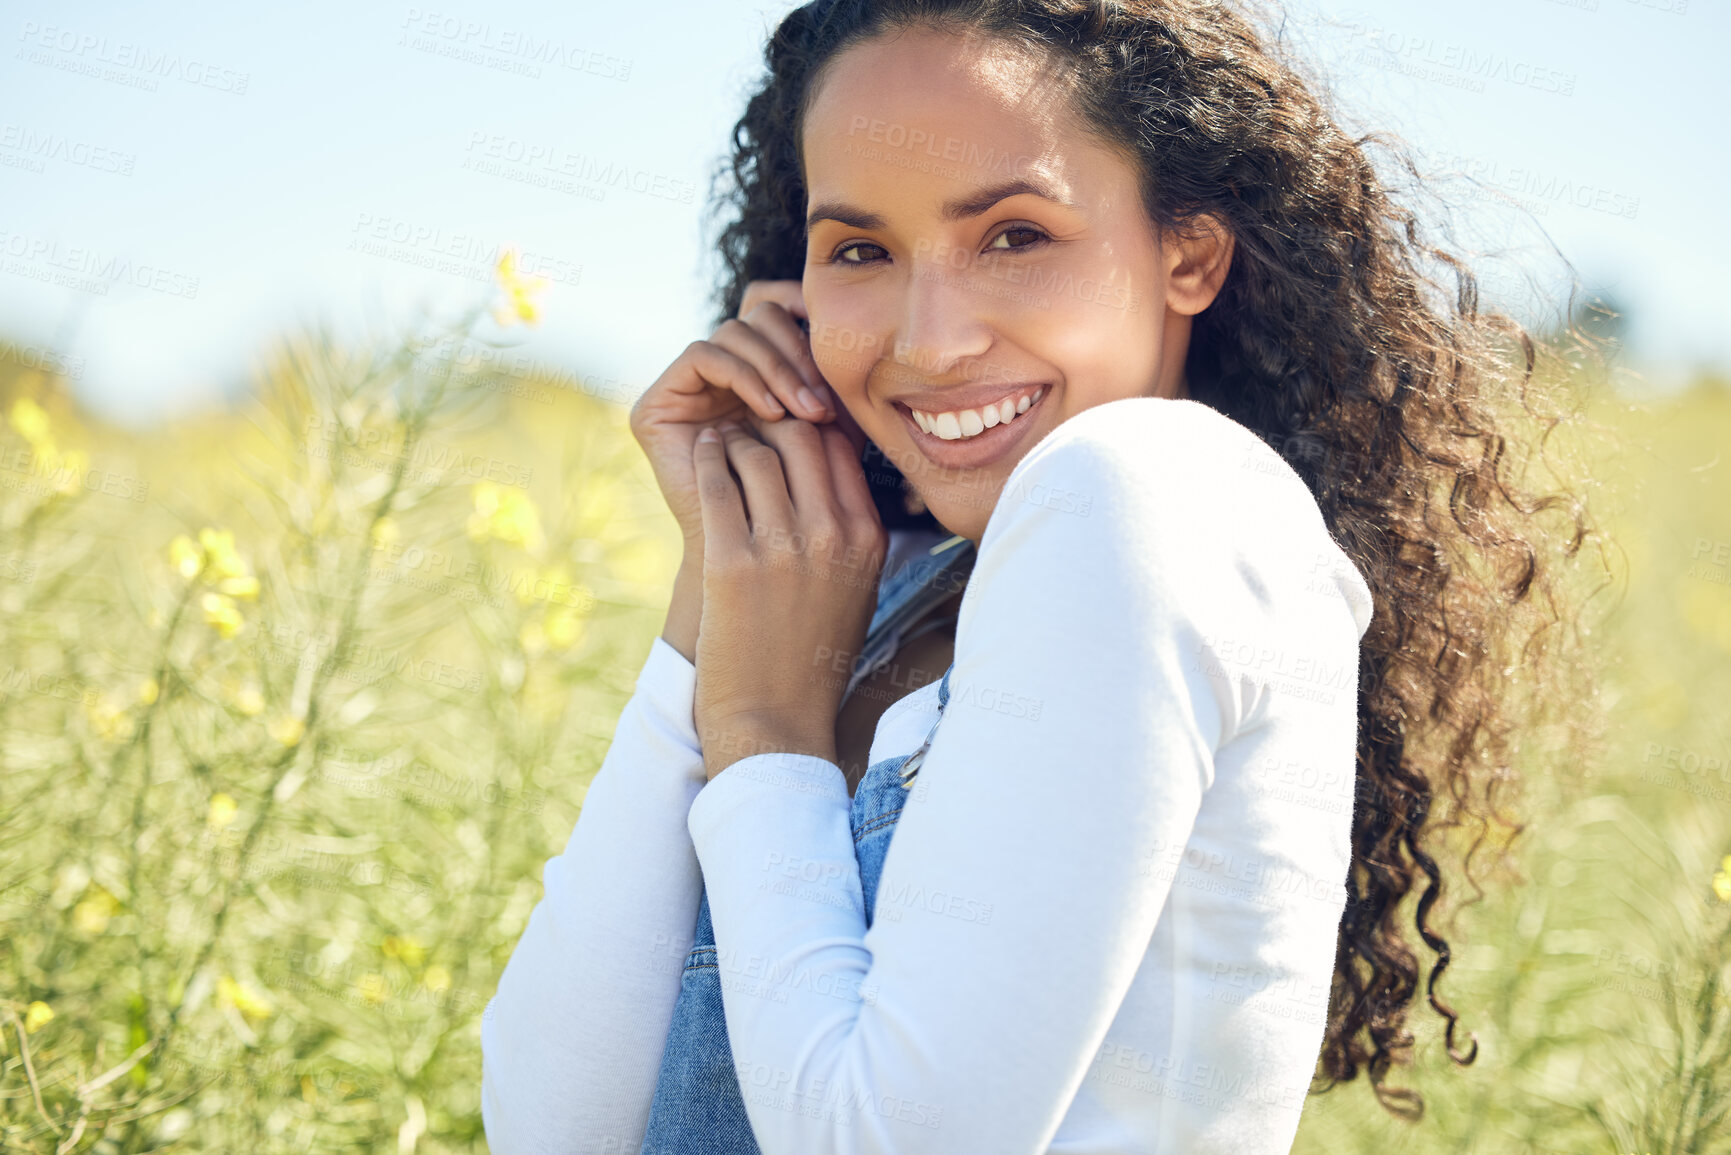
x=1106 y=343
x=844 y=346
x=839 y=367
x=1101 y=320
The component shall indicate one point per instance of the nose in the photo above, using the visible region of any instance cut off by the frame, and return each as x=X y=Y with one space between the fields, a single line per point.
x=943 y=322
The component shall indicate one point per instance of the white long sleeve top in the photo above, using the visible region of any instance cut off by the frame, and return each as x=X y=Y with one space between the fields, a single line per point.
x=1106 y=922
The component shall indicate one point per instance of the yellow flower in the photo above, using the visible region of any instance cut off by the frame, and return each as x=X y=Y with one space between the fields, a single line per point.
x=373 y=988
x=384 y=532
x=67 y=469
x=148 y=691
x=108 y=721
x=436 y=979
x=244 y=586
x=563 y=627
x=221 y=613
x=249 y=701
x=1722 y=880
x=186 y=556
x=220 y=558
x=519 y=308
x=505 y=513
x=214 y=558
x=404 y=948
x=223 y=808
x=31 y=422
x=287 y=730
x=241 y=997
x=92 y=915
x=517 y=303
x=39 y=1014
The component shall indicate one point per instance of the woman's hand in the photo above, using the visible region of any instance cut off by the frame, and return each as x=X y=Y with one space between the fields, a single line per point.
x=760 y=363
x=791 y=559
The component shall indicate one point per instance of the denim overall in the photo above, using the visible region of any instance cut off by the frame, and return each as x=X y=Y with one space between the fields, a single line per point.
x=698 y=1107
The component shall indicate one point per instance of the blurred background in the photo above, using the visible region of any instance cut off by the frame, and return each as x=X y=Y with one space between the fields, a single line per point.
x=327 y=561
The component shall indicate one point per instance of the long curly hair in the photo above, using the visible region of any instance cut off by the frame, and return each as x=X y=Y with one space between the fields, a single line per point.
x=1352 y=345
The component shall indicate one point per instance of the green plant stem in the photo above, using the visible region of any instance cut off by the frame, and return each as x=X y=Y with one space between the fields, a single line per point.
x=413 y=425
x=141 y=741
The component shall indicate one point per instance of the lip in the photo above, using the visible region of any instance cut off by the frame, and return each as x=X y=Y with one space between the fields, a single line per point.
x=965 y=396
x=983 y=448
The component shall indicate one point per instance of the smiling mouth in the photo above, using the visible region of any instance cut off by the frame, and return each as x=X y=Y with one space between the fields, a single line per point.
x=963 y=439
x=965 y=424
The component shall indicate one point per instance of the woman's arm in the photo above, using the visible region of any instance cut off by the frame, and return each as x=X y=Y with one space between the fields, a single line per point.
x=571 y=1044
x=1098 y=669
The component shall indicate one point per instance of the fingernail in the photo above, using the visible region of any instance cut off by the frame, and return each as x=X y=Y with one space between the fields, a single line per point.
x=708 y=434
x=809 y=399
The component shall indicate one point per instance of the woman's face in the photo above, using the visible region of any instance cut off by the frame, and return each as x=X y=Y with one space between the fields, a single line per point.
x=978 y=268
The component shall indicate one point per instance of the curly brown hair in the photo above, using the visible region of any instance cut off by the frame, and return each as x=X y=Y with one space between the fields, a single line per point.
x=1340 y=340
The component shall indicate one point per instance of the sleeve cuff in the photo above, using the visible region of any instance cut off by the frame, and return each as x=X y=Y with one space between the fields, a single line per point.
x=668 y=686
x=783 y=783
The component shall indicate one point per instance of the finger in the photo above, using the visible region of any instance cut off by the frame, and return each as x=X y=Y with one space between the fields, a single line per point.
x=724 y=524
x=847 y=475
x=725 y=369
x=790 y=295
x=803 y=460
x=767 y=503
x=845 y=422
x=781 y=374
x=783 y=331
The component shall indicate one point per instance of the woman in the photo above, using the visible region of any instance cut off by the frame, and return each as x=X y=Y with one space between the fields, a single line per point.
x=1061 y=272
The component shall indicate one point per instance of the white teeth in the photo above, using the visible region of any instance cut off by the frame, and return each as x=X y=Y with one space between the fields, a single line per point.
x=953 y=426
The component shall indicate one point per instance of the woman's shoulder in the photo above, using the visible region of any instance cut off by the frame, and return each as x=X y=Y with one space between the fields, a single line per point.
x=1136 y=418
x=1147 y=468
x=1172 y=454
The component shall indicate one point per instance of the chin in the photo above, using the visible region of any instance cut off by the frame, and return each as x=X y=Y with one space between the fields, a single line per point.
x=965 y=513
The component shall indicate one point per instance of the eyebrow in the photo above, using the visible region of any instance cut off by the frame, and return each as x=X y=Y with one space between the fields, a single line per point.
x=961 y=208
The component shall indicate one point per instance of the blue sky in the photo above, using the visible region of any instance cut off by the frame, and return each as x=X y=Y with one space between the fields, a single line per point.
x=252 y=170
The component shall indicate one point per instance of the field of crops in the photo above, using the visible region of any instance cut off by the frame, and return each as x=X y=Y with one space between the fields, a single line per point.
x=295 y=700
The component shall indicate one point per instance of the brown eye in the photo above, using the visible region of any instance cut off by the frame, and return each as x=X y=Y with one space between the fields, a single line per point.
x=1035 y=237
x=840 y=259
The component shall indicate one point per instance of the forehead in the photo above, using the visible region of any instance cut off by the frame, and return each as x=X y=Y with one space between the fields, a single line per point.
x=963 y=109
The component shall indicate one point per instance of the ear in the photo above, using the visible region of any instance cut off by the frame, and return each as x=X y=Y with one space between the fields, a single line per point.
x=1196 y=263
